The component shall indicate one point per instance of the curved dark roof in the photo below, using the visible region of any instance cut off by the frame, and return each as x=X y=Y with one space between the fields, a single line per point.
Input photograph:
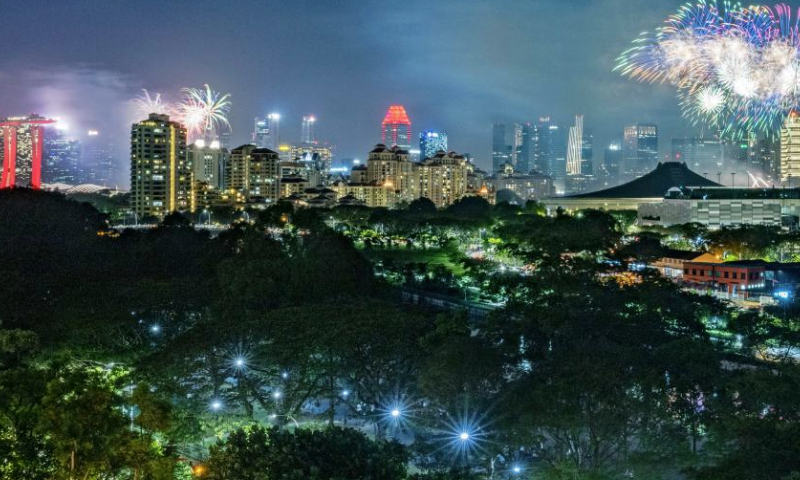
x=654 y=184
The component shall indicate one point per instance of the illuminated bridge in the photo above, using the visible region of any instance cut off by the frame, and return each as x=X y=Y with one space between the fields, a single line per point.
x=23 y=142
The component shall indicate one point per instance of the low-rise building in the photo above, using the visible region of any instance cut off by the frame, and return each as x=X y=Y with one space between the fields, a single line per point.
x=671 y=265
x=718 y=207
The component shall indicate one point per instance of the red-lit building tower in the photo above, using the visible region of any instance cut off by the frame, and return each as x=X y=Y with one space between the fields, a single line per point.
x=396 y=128
x=23 y=142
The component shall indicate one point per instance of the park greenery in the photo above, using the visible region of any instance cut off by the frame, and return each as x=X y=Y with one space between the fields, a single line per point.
x=285 y=347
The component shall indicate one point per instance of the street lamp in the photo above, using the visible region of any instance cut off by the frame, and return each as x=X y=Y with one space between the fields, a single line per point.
x=155 y=328
x=216 y=405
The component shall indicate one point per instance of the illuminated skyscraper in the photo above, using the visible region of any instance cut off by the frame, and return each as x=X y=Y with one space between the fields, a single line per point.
x=161 y=177
x=575 y=147
x=62 y=156
x=98 y=160
x=430 y=142
x=501 y=151
x=23 y=148
x=274 y=120
x=208 y=163
x=396 y=128
x=254 y=173
x=639 y=150
x=307 y=130
x=265 y=133
x=523 y=147
x=551 y=150
x=261 y=132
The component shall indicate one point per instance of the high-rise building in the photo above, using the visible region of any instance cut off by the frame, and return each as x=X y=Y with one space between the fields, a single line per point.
x=432 y=141
x=575 y=147
x=551 y=150
x=99 y=166
x=790 y=150
x=640 y=149
x=62 y=158
x=23 y=148
x=587 y=152
x=266 y=131
x=523 y=147
x=391 y=167
x=501 y=150
x=261 y=132
x=208 y=163
x=612 y=161
x=161 y=177
x=307 y=130
x=701 y=154
x=442 y=178
x=254 y=173
x=396 y=128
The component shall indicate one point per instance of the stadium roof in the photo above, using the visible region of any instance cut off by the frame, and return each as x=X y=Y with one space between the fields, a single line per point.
x=655 y=184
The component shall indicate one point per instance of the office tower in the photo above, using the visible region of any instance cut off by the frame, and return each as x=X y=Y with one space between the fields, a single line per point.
x=501 y=150
x=612 y=160
x=442 y=178
x=307 y=130
x=254 y=173
x=575 y=147
x=62 y=158
x=551 y=150
x=587 y=154
x=99 y=166
x=790 y=150
x=396 y=128
x=391 y=167
x=701 y=154
x=266 y=132
x=640 y=149
x=161 y=177
x=208 y=163
x=23 y=148
x=261 y=132
x=430 y=142
x=768 y=158
x=523 y=147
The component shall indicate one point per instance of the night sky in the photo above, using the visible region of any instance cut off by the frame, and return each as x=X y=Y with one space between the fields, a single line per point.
x=455 y=65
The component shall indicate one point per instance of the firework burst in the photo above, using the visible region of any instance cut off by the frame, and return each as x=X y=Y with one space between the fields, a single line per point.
x=735 y=68
x=146 y=104
x=203 y=111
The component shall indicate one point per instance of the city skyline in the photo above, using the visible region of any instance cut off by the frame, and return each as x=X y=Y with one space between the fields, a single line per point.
x=88 y=79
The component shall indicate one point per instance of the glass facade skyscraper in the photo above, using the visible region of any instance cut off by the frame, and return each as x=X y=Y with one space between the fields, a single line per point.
x=430 y=142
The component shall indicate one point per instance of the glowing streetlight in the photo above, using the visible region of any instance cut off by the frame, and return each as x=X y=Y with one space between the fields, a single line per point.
x=239 y=362
x=285 y=375
x=155 y=328
x=216 y=405
x=345 y=393
x=516 y=469
x=396 y=413
x=464 y=436
x=276 y=395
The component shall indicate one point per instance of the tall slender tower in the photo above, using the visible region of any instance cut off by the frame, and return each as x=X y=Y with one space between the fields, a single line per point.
x=161 y=177
x=23 y=144
x=396 y=128
x=575 y=147
x=273 y=120
x=307 y=132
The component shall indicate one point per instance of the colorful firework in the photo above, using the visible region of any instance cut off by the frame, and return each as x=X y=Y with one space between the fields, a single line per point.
x=203 y=111
x=735 y=68
x=145 y=104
